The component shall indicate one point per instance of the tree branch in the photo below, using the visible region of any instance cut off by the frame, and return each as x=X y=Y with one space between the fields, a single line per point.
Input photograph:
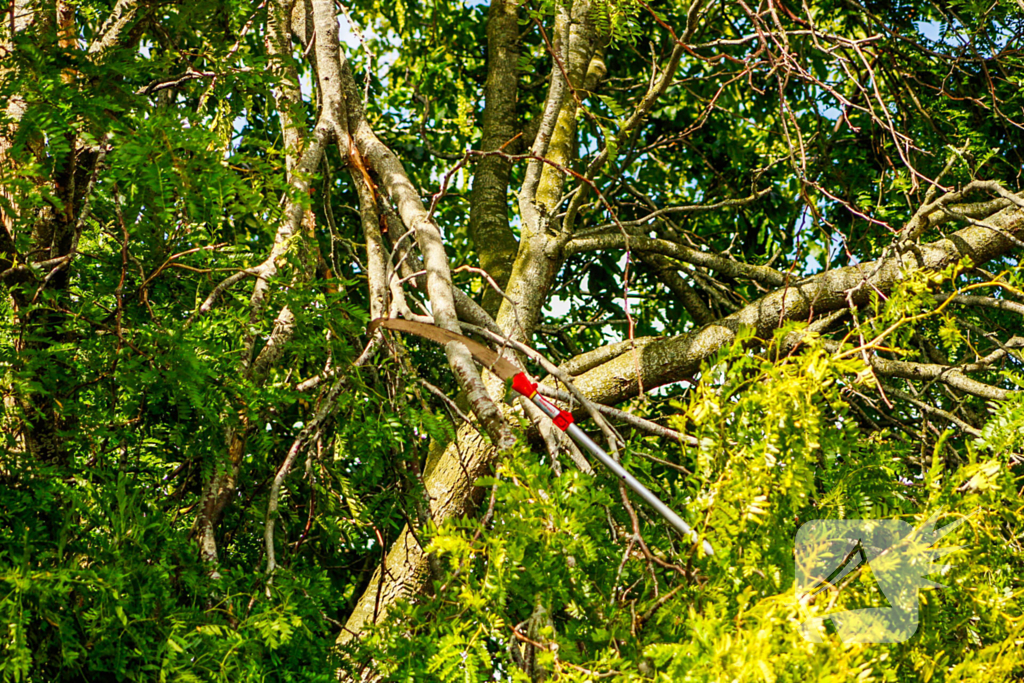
x=669 y=360
x=947 y=374
x=397 y=185
x=488 y=214
x=988 y=302
x=726 y=266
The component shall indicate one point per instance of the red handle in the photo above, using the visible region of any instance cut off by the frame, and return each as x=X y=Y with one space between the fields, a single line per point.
x=523 y=385
x=561 y=418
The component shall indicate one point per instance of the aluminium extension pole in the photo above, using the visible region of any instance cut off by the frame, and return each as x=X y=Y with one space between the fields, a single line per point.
x=563 y=420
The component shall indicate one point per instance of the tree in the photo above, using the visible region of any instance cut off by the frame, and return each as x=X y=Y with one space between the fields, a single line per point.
x=776 y=247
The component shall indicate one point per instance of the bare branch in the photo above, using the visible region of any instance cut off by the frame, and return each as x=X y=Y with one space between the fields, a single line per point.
x=943 y=373
x=989 y=302
x=715 y=262
x=933 y=410
x=669 y=210
x=489 y=211
x=415 y=216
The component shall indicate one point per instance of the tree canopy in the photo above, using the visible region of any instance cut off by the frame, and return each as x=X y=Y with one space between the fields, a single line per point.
x=767 y=253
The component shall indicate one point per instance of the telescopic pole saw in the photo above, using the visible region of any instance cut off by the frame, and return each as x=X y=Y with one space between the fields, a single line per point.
x=562 y=418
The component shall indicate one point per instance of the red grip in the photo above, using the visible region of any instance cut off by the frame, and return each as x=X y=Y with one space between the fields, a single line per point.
x=562 y=420
x=523 y=385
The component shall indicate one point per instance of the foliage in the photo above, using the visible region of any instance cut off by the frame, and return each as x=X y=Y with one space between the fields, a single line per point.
x=777 y=447
x=106 y=345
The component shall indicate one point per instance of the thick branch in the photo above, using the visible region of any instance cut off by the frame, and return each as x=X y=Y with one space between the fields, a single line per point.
x=300 y=167
x=287 y=95
x=669 y=360
x=397 y=185
x=540 y=252
x=488 y=214
x=603 y=354
x=586 y=68
x=548 y=118
x=942 y=209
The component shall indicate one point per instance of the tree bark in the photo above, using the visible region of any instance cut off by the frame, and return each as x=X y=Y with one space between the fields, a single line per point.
x=488 y=215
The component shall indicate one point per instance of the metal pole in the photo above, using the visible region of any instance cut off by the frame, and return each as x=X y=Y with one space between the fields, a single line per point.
x=632 y=482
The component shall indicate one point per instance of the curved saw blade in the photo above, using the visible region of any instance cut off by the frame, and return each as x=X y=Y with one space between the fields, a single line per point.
x=481 y=354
